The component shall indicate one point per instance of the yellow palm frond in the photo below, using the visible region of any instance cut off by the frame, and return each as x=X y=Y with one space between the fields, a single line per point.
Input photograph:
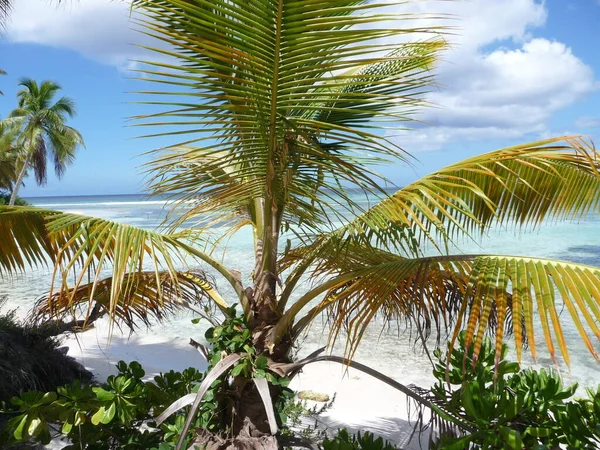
x=480 y=292
x=147 y=295
x=555 y=179
x=83 y=250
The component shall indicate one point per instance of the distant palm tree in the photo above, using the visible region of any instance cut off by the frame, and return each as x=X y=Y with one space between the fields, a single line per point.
x=43 y=130
x=8 y=157
x=2 y=72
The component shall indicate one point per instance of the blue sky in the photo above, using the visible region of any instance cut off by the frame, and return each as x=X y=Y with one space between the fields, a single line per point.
x=519 y=70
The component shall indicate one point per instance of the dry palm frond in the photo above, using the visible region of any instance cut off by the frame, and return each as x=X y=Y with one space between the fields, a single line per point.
x=84 y=249
x=147 y=296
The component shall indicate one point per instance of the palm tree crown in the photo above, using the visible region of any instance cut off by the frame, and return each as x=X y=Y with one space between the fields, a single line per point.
x=44 y=131
x=282 y=104
x=8 y=156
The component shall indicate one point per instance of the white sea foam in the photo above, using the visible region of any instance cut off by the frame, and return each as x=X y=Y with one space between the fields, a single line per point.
x=115 y=203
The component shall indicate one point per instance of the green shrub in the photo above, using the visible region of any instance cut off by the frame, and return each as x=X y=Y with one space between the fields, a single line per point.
x=5 y=198
x=120 y=413
x=117 y=415
x=504 y=407
x=361 y=441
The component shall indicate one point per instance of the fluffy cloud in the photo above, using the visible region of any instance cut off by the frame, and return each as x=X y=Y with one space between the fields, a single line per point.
x=477 y=23
x=499 y=93
x=587 y=121
x=506 y=93
x=497 y=81
x=98 y=29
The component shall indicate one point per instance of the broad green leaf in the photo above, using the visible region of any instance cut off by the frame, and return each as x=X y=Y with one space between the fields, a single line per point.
x=512 y=438
x=103 y=395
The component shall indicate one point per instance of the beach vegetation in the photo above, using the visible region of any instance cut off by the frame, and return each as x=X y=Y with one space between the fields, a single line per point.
x=42 y=132
x=8 y=163
x=5 y=198
x=8 y=156
x=279 y=112
x=122 y=412
x=502 y=406
x=89 y=416
x=344 y=440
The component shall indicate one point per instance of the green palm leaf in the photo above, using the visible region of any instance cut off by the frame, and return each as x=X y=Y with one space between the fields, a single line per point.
x=555 y=179
x=84 y=249
x=280 y=94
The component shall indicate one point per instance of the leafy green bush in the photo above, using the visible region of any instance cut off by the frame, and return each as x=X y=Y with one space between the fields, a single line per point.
x=365 y=441
x=5 y=198
x=117 y=415
x=504 y=407
x=233 y=336
x=120 y=413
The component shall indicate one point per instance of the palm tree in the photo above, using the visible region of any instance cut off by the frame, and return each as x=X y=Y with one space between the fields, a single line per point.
x=8 y=157
x=2 y=72
x=43 y=131
x=283 y=106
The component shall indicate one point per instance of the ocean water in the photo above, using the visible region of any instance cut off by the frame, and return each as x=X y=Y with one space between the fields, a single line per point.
x=385 y=349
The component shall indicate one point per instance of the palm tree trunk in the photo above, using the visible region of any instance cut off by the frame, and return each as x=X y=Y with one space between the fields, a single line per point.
x=16 y=187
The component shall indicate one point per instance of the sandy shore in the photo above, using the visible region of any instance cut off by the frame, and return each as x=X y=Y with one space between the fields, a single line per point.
x=361 y=402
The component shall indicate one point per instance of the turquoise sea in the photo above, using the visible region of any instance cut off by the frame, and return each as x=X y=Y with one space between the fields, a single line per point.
x=393 y=354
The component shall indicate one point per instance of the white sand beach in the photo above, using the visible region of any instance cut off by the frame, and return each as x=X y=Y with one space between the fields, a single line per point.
x=362 y=403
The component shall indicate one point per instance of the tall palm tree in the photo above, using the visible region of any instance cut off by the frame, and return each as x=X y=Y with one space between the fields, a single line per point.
x=2 y=72
x=8 y=156
x=43 y=131
x=284 y=105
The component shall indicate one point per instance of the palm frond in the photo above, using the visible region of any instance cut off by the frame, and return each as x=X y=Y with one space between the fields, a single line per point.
x=147 y=296
x=280 y=94
x=555 y=179
x=482 y=292
x=83 y=250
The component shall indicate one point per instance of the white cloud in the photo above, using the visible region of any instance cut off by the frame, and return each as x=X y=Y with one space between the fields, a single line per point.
x=509 y=88
x=505 y=92
x=98 y=29
x=588 y=121
x=497 y=81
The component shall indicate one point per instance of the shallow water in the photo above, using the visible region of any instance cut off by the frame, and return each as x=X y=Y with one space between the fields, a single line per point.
x=385 y=350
